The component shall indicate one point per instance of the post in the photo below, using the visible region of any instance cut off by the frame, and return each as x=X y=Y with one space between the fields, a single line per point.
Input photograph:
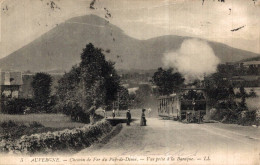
x=118 y=103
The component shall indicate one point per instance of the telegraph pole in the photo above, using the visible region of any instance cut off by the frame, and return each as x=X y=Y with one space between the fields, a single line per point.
x=118 y=103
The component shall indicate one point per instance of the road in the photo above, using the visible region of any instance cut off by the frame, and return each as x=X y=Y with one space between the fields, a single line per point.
x=215 y=142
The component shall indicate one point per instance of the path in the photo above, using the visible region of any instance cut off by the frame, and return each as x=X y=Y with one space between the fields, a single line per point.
x=220 y=142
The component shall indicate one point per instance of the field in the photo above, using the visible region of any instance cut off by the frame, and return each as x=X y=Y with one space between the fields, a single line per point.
x=47 y=120
x=15 y=126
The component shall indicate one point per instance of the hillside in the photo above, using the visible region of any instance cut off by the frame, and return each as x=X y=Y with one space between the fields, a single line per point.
x=60 y=48
x=257 y=58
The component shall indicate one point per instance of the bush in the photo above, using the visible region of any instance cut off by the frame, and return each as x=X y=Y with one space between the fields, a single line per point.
x=35 y=124
x=17 y=106
x=72 y=140
x=252 y=93
x=226 y=116
x=80 y=116
x=8 y=124
x=248 y=118
x=41 y=85
x=235 y=115
x=12 y=130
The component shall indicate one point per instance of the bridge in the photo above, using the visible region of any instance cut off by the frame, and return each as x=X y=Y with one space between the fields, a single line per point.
x=117 y=120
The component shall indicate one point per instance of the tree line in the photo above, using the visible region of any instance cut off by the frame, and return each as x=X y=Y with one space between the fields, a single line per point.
x=94 y=83
x=91 y=84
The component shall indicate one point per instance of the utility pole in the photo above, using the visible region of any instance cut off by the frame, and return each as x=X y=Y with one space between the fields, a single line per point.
x=118 y=103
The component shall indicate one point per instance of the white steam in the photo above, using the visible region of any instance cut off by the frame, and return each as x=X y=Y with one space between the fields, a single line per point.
x=194 y=59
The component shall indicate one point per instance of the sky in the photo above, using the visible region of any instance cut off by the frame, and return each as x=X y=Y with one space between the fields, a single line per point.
x=22 y=21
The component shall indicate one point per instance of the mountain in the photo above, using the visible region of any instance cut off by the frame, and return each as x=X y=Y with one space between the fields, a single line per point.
x=60 y=48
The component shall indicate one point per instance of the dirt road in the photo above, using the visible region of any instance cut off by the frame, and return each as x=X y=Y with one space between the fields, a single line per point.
x=225 y=144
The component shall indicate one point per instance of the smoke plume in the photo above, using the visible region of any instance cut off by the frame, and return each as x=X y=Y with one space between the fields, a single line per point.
x=194 y=59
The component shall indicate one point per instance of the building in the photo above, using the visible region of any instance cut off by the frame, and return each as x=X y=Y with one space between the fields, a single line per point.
x=252 y=63
x=27 y=90
x=11 y=83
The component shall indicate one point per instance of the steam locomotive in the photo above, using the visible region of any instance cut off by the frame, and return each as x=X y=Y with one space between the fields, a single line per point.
x=189 y=104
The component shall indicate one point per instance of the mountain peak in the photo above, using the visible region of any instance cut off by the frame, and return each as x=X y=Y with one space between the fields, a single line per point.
x=89 y=19
x=60 y=48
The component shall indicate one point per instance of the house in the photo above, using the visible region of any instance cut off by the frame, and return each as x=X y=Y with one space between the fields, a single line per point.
x=252 y=63
x=10 y=84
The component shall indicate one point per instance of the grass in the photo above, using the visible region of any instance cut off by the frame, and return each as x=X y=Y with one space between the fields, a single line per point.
x=34 y=123
x=13 y=130
x=47 y=120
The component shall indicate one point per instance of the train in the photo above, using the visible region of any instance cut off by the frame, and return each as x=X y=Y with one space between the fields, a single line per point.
x=188 y=104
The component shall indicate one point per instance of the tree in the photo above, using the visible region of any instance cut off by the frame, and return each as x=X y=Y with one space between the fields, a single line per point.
x=98 y=77
x=91 y=84
x=67 y=92
x=41 y=85
x=167 y=81
x=219 y=90
x=243 y=95
x=252 y=70
x=142 y=95
x=123 y=98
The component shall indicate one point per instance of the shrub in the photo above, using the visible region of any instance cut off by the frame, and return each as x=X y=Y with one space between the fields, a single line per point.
x=17 y=106
x=41 y=85
x=12 y=130
x=8 y=124
x=35 y=124
x=226 y=115
x=252 y=93
x=248 y=118
x=72 y=140
x=80 y=116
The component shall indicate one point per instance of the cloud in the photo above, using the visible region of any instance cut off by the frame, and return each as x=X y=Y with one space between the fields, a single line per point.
x=193 y=59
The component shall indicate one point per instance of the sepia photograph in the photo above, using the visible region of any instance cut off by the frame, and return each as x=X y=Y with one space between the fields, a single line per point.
x=129 y=82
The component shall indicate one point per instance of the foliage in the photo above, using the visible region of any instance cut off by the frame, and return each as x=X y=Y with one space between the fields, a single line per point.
x=8 y=124
x=221 y=96
x=35 y=124
x=70 y=140
x=252 y=93
x=253 y=70
x=99 y=76
x=235 y=116
x=248 y=118
x=218 y=88
x=123 y=98
x=167 y=81
x=93 y=83
x=230 y=70
x=41 y=85
x=145 y=96
x=17 y=106
x=192 y=94
x=142 y=94
x=67 y=91
x=12 y=130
